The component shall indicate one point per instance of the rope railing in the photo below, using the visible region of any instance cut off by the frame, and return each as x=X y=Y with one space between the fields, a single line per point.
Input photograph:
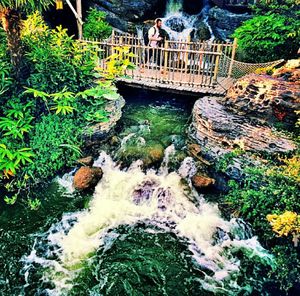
x=240 y=69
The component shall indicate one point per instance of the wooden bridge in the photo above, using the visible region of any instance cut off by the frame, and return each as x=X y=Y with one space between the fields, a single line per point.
x=177 y=66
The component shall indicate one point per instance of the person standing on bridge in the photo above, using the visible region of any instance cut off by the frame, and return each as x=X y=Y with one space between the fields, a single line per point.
x=154 y=43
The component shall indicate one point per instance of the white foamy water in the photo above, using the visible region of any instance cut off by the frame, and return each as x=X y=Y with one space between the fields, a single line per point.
x=129 y=196
x=175 y=15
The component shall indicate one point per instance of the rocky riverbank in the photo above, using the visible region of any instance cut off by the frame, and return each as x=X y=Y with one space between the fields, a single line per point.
x=232 y=132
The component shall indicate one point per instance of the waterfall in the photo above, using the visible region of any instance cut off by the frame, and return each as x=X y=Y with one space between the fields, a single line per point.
x=127 y=197
x=180 y=25
x=205 y=14
x=174 y=6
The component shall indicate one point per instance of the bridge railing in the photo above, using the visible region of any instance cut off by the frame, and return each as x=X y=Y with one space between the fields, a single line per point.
x=196 y=64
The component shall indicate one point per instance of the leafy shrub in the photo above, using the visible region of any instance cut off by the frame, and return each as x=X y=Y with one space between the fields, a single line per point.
x=270 y=191
x=56 y=60
x=268 y=37
x=55 y=140
x=95 y=26
x=286 y=224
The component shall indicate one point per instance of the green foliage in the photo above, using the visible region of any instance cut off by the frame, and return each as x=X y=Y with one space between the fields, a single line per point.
x=55 y=140
x=34 y=204
x=227 y=159
x=287 y=266
x=5 y=77
x=277 y=6
x=265 y=191
x=268 y=37
x=56 y=60
x=95 y=26
x=41 y=127
x=11 y=159
x=119 y=62
x=26 y=5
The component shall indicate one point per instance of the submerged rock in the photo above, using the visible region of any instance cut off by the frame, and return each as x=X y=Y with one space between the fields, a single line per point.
x=154 y=155
x=87 y=178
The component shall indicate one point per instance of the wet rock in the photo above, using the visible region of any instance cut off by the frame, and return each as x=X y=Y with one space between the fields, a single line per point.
x=154 y=155
x=86 y=161
x=103 y=130
x=201 y=182
x=264 y=97
x=121 y=13
x=144 y=192
x=224 y=23
x=87 y=178
x=114 y=141
x=220 y=132
x=202 y=32
x=290 y=72
x=194 y=149
x=177 y=24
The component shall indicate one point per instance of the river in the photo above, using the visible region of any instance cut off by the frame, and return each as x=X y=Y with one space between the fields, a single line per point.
x=144 y=231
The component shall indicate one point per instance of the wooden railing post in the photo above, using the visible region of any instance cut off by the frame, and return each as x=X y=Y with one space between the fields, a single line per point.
x=234 y=47
x=216 y=71
x=166 y=59
x=112 y=41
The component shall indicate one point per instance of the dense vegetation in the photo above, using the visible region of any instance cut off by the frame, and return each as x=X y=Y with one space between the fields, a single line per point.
x=273 y=33
x=268 y=198
x=44 y=113
x=96 y=27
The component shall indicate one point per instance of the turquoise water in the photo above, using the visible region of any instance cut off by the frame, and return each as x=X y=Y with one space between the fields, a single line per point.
x=144 y=231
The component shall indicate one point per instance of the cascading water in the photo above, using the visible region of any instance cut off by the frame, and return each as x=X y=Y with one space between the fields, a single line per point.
x=180 y=25
x=162 y=204
x=143 y=232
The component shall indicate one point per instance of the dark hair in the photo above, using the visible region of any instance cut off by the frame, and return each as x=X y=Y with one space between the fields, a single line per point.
x=158 y=20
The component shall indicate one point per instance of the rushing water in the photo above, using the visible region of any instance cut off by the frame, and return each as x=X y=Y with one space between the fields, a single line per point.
x=180 y=25
x=145 y=230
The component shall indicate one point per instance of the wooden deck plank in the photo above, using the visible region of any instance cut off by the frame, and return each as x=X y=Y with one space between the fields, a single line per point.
x=143 y=79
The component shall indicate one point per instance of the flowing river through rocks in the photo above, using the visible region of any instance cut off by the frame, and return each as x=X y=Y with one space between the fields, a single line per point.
x=145 y=230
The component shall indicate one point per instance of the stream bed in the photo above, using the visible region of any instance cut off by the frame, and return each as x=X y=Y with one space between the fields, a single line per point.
x=144 y=231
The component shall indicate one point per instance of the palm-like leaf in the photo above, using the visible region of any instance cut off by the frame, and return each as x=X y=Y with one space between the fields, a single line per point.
x=26 y=5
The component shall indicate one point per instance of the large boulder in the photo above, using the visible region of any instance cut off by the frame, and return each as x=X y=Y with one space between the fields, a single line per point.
x=201 y=182
x=264 y=97
x=220 y=132
x=224 y=22
x=87 y=178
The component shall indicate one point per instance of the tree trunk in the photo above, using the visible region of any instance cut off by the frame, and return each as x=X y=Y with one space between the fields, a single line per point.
x=11 y=22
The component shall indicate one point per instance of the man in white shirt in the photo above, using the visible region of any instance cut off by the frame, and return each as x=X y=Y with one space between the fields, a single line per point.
x=153 y=34
x=155 y=40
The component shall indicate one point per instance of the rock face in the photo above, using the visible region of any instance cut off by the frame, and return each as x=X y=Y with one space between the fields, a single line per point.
x=289 y=72
x=120 y=12
x=87 y=178
x=265 y=97
x=219 y=132
x=224 y=23
x=103 y=130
